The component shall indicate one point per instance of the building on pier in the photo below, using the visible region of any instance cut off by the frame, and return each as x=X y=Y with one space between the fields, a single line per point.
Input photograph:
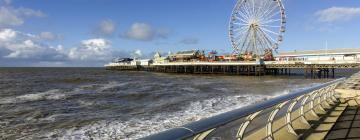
x=350 y=54
x=158 y=59
x=185 y=56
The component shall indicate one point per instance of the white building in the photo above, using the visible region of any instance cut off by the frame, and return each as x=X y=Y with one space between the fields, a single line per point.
x=351 y=54
x=145 y=62
x=160 y=60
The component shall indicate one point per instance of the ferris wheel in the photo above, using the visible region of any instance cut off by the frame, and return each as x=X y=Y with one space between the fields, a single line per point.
x=257 y=26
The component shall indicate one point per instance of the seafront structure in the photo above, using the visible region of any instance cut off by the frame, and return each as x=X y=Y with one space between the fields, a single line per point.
x=327 y=111
x=349 y=54
x=313 y=63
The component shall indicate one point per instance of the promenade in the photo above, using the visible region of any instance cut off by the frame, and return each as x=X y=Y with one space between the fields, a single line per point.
x=328 y=111
x=344 y=121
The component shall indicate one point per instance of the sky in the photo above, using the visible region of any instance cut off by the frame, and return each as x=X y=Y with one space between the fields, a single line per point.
x=80 y=33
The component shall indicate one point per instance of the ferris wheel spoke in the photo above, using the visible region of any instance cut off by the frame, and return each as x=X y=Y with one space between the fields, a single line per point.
x=241 y=37
x=241 y=27
x=249 y=44
x=239 y=31
x=268 y=11
x=241 y=19
x=266 y=44
x=262 y=5
x=272 y=15
x=249 y=9
x=260 y=40
x=270 y=31
x=257 y=10
x=271 y=21
x=253 y=6
x=242 y=14
x=266 y=41
x=266 y=5
x=241 y=24
x=271 y=9
x=265 y=10
x=269 y=26
x=267 y=36
x=246 y=10
x=245 y=40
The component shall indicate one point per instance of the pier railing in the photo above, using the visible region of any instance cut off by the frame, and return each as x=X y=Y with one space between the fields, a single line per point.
x=281 y=117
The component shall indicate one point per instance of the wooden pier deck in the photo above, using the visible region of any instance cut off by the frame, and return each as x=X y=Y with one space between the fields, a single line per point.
x=309 y=68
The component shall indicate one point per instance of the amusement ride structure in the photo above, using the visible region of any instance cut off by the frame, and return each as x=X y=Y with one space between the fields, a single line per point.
x=257 y=27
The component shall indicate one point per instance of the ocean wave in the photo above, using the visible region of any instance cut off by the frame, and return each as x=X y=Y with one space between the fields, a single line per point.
x=54 y=94
x=140 y=127
x=57 y=94
x=112 y=84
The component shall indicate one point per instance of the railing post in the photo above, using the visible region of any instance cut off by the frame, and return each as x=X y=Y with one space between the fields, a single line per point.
x=290 y=128
x=244 y=125
x=312 y=103
x=269 y=132
x=320 y=97
x=302 y=112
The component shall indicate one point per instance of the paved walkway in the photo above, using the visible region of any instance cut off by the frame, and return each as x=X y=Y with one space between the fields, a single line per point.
x=347 y=125
x=342 y=121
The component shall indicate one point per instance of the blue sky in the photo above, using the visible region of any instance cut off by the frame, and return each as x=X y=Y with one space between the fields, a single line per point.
x=91 y=32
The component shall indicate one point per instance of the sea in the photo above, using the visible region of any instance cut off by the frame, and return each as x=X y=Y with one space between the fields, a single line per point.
x=94 y=103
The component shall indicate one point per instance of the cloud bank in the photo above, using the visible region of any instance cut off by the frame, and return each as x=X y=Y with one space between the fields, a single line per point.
x=49 y=36
x=10 y=16
x=18 y=46
x=145 y=32
x=105 y=28
x=337 y=14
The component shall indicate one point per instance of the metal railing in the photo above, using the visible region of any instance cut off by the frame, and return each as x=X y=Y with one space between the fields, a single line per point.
x=277 y=117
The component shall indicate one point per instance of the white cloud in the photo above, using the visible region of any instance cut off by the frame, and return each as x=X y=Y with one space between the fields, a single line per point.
x=26 y=49
x=7 y=34
x=335 y=14
x=92 y=49
x=49 y=36
x=106 y=27
x=10 y=16
x=29 y=49
x=18 y=45
x=145 y=32
x=7 y=2
x=26 y=12
x=98 y=42
x=137 y=53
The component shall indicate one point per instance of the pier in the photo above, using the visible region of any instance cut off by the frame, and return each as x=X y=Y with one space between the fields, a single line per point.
x=313 y=63
x=310 y=69
x=327 y=111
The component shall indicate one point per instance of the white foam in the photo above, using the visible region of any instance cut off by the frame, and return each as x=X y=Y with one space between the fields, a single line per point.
x=190 y=89
x=112 y=84
x=56 y=94
x=85 y=103
x=53 y=94
x=140 y=127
